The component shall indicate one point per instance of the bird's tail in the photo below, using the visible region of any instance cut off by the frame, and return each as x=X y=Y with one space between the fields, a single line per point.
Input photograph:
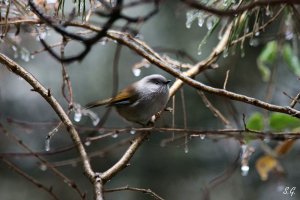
x=97 y=103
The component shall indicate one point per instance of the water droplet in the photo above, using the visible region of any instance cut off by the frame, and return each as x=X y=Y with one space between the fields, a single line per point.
x=257 y=33
x=43 y=167
x=95 y=121
x=190 y=17
x=201 y=19
x=115 y=135
x=87 y=143
x=14 y=48
x=47 y=144
x=186 y=149
x=203 y=42
x=242 y=53
x=253 y=42
x=136 y=71
x=132 y=131
x=210 y=22
x=225 y=53
x=245 y=170
x=32 y=56
x=103 y=41
x=269 y=12
x=202 y=136
x=25 y=54
x=77 y=116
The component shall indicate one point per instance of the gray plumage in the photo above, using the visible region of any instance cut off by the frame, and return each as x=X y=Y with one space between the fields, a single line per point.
x=141 y=100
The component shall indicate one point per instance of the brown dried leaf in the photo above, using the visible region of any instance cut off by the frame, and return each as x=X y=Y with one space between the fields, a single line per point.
x=265 y=164
x=284 y=147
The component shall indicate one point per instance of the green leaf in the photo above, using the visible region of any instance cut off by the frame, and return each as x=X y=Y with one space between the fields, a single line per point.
x=255 y=122
x=291 y=59
x=281 y=122
x=267 y=56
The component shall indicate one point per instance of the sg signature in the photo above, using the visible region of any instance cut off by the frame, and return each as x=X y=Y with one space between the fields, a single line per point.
x=289 y=191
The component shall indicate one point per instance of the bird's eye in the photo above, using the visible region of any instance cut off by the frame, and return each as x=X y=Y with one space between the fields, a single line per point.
x=156 y=82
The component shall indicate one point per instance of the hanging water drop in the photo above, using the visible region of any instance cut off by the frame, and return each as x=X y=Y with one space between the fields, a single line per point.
x=201 y=19
x=253 y=42
x=202 y=136
x=87 y=143
x=115 y=135
x=257 y=33
x=43 y=167
x=136 y=71
x=186 y=149
x=14 y=48
x=242 y=53
x=210 y=22
x=190 y=17
x=77 y=116
x=25 y=54
x=103 y=41
x=225 y=53
x=132 y=131
x=47 y=144
x=96 y=121
x=244 y=170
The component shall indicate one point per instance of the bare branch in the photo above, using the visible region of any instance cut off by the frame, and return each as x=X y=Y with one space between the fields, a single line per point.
x=38 y=87
x=29 y=178
x=147 y=191
x=123 y=162
x=231 y=12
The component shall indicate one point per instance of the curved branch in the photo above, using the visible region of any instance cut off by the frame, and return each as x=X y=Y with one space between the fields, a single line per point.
x=146 y=52
x=38 y=87
x=123 y=162
x=239 y=10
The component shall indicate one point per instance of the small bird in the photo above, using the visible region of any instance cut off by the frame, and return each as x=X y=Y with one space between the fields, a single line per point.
x=139 y=101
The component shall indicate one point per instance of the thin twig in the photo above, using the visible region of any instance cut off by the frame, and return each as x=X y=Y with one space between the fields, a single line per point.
x=213 y=109
x=43 y=161
x=38 y=87
x=147 y=191
x=226 y=79
x=30 y=178
x=231 y=12
x=123 y=162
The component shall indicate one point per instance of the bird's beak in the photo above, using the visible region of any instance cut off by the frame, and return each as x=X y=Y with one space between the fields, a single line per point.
x=167 y=82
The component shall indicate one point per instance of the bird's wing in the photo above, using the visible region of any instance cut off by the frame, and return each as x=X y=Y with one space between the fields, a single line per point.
x=97 y=103
x=124 y=97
